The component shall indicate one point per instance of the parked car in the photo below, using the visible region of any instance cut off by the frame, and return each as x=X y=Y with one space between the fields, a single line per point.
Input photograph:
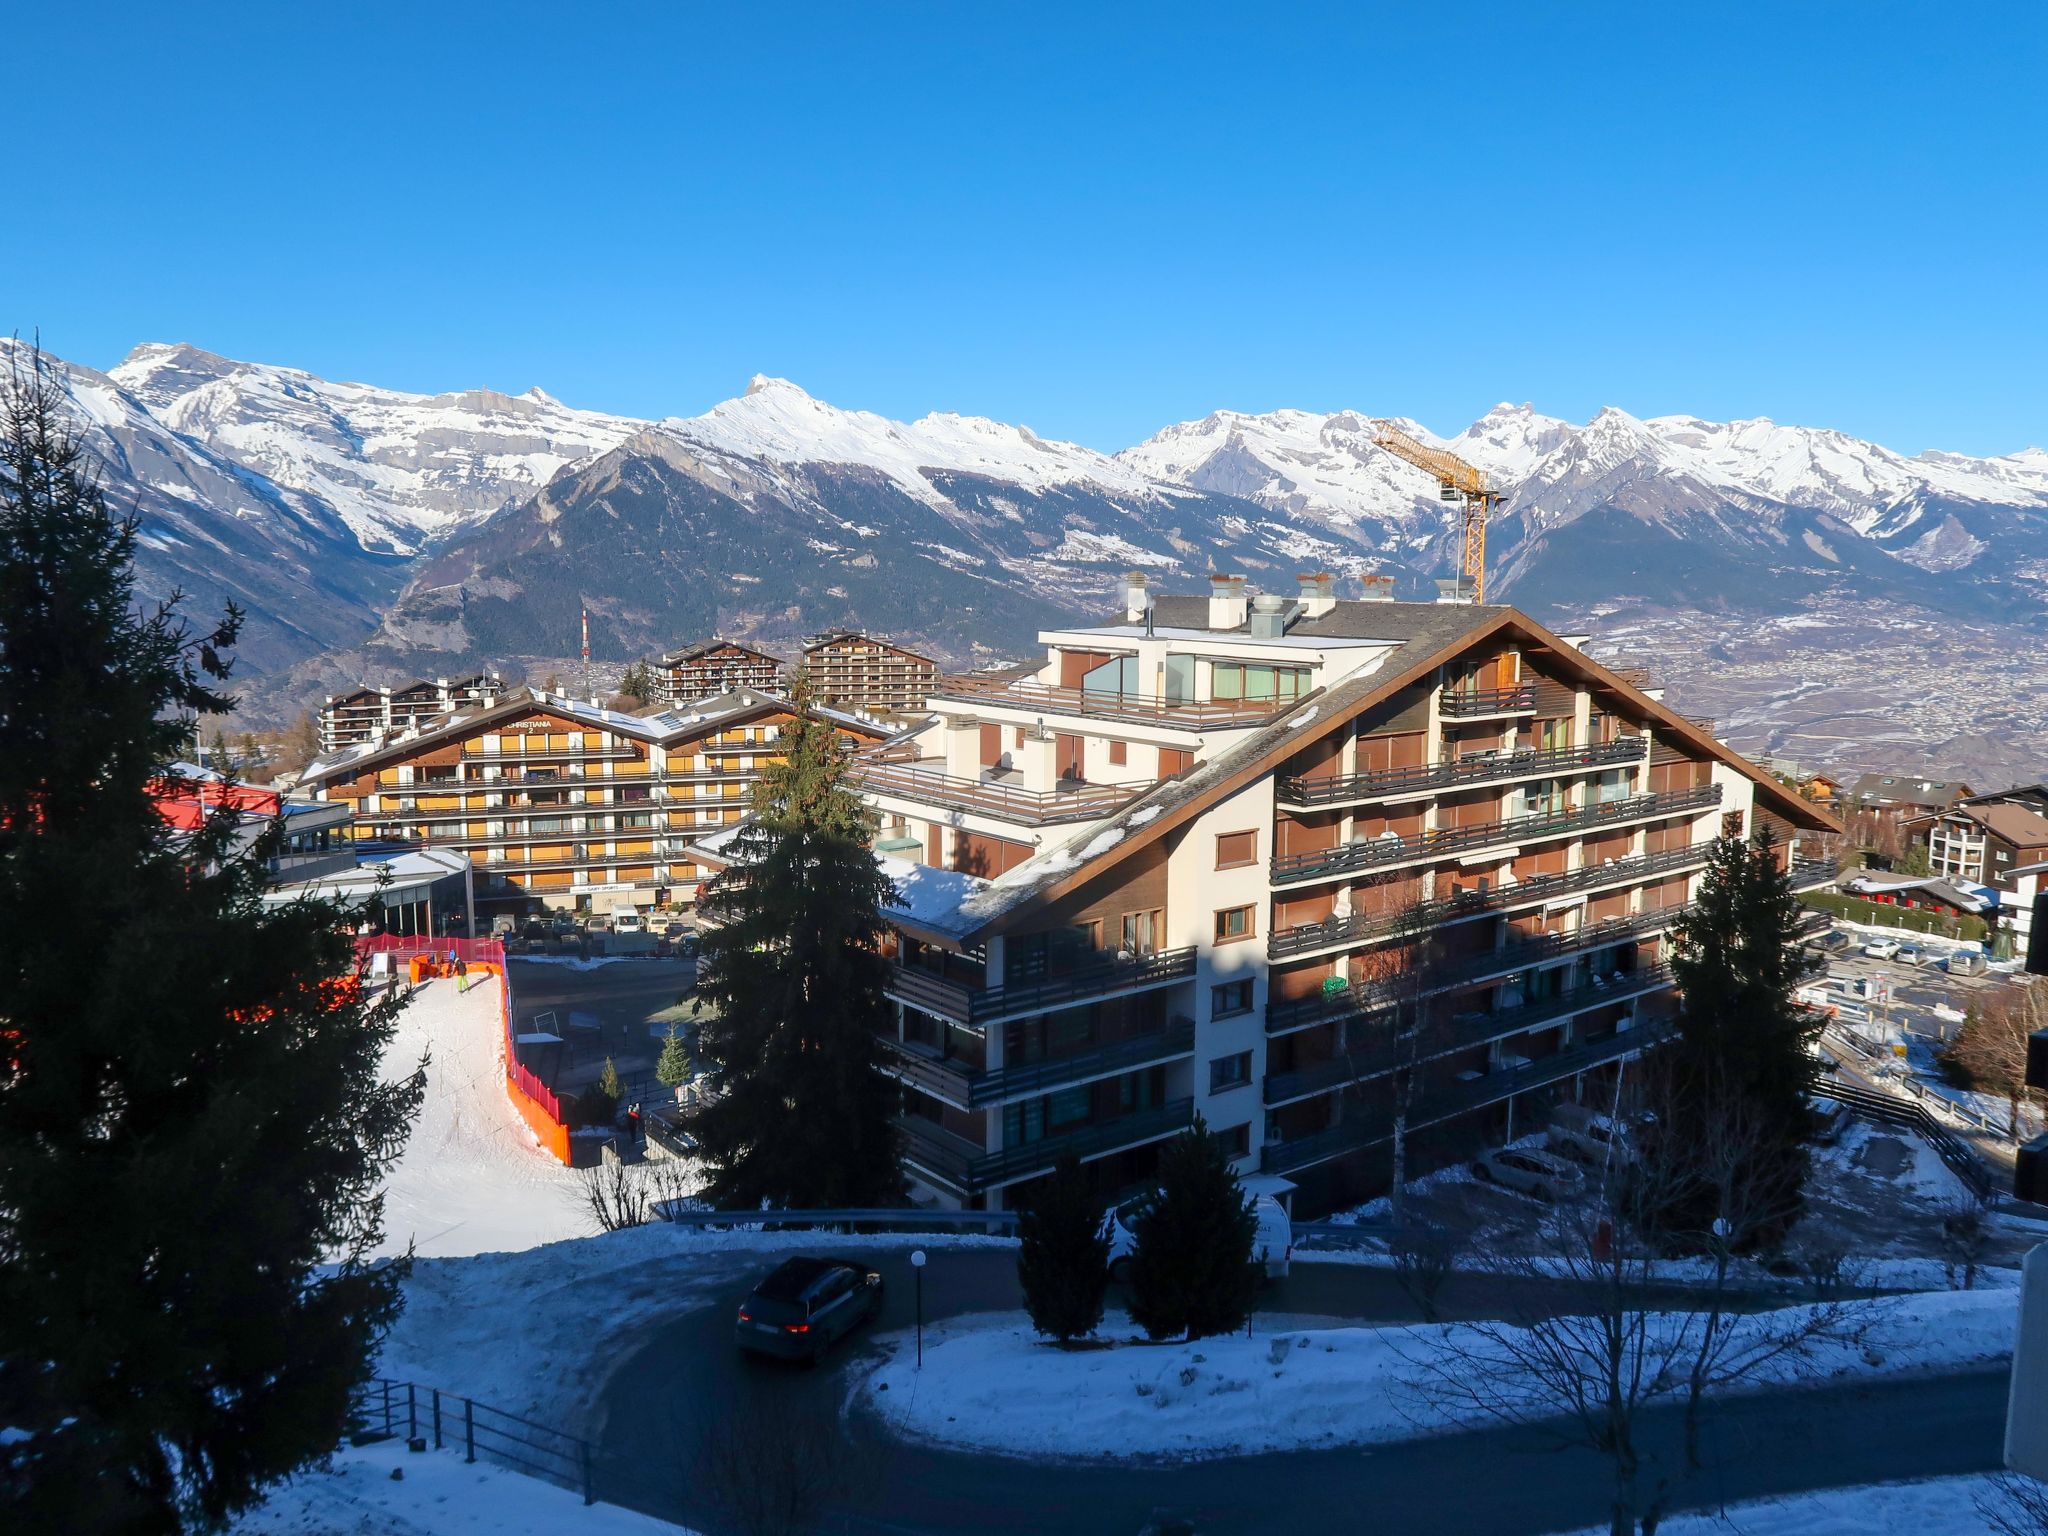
x=1830 y=1118
x=1831 y=941
x=1542 y=1174
x=1881 y=949
x=1967 y=962
x=1273 y=1246
x=805 y=1306
x=1580 y=1131
x=1909 y=954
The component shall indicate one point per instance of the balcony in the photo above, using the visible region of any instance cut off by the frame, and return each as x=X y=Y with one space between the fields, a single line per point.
x=983 y=1005
x=959 y=1164
x=559 y=754
x=1458 y=1098
x=1042 y=698
x=1469 y=771
x=1357 y=928
x=1462 y=1033
x=1005 y=802
x=975 y=1088
x=1477 y=703
x=1391 y=849
x=1358 y=1000
x=1811 y=874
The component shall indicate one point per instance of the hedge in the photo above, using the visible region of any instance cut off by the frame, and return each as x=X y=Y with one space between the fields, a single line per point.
x=1887 y=915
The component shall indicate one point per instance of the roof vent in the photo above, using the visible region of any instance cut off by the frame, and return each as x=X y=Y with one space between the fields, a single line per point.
x=1378 y=588
x=1226 y=602
x=1270 y=616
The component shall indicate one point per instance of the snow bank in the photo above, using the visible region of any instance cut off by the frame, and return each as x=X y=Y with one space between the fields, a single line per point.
x=439 y=1495
x=991 y=1384
x=1944 y=1506
x=472 y=1178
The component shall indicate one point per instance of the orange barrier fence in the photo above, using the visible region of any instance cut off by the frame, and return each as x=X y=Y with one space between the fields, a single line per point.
x=537 y=1104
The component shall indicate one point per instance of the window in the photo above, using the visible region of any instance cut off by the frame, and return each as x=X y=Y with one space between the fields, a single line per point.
x=1256 y=682
x=1236 y=1141
x=1141 y=931
x=1174 y=760
x=1230 y=999
x=1119 y=753
x=1233 y=924
x=1230 y=1072
x=1069 y=1107
x=1234 y=850
x=1543 y=797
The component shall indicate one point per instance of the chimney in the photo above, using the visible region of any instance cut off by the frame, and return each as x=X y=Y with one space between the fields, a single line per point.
x=1136 y=599
x=1451 y=589
x=1378 y=588
x=1318 y=593
x=1226 y=602
x=1270 y=615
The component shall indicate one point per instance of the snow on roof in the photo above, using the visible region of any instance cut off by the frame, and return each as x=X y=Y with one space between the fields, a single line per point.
x=930 y=898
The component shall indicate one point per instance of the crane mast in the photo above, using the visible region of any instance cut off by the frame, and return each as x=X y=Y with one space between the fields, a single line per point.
x=1460 y=481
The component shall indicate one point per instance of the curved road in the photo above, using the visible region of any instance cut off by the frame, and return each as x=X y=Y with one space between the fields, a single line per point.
x=661 y=1399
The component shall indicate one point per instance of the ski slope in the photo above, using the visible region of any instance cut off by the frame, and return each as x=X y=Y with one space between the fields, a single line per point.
x=472 y=1179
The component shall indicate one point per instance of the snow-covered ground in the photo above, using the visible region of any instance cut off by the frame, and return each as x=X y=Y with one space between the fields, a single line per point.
x=990 y=1383
x=438 y=1494
x=472 y=1178
x=1942 y=1506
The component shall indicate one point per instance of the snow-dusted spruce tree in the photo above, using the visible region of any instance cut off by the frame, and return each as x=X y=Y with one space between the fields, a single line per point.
x=1063 y=1254
x=192 y=1122
x=1192 y=1273
x=790 y=978
x=1743 y=1035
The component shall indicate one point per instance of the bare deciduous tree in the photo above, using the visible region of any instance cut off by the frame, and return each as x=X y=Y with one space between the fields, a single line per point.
x=770 y=1467
x=2015 y=1505
x=1588 y=1376
x=616 y=1195
x=1425 y=1257
x=1990 y=1051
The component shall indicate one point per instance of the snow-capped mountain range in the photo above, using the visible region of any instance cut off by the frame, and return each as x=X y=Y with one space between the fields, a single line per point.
x=476 y=524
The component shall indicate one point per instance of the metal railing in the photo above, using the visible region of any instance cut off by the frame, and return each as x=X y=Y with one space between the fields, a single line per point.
x=1074 y=802
x=953 y=1160
x=1184 y=714
x=1808 y=873
x=1463 y=703
x=1373 y=853
x=1360 y=998
x=1461 y=1034
x=972 y=1087
x=1473 y=769
x=1958 y=1154
x=1458 y=1098
x=387 y=1409
x=980 y=1005
x=1361 y=927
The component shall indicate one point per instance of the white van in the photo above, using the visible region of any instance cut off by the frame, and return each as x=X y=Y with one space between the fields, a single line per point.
x=1273 y=1245
x=628 y=920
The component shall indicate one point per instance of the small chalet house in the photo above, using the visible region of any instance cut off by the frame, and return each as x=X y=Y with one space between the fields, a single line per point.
x=1185 y=869
x=572 y=803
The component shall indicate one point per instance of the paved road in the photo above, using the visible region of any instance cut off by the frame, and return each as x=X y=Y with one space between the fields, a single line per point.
x=626 y=996
x=659 y=1402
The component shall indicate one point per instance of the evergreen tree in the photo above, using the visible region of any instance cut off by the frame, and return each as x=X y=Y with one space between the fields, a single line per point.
x=673 y=1069
x=638 y=683
x=218 y=757
x=192 y=1122
x=1063 y=1254
x=608 y=1081
x=790 y=978
x=1744 y=1044
x=1192 y=1272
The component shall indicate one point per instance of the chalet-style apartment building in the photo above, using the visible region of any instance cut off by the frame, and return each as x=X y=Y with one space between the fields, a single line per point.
x=569 y=802
x=715 y=667
x=374 y=714
x=1193 y=864
x=861 y=672
x=1987 y=839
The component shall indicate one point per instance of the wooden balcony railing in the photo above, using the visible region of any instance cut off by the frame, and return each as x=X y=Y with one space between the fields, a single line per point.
x=1006 y=802
x=1043 y=697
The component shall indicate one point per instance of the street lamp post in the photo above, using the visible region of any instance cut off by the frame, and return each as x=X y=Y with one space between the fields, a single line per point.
x=917 y=1269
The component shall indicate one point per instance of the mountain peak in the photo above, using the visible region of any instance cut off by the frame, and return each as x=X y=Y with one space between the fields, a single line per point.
x=768 y=384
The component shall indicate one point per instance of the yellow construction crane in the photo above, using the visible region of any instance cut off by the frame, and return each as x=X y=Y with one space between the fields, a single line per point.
x=1460 y=481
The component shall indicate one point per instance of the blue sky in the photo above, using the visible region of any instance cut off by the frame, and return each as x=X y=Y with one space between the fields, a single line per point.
x=1093 y=219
